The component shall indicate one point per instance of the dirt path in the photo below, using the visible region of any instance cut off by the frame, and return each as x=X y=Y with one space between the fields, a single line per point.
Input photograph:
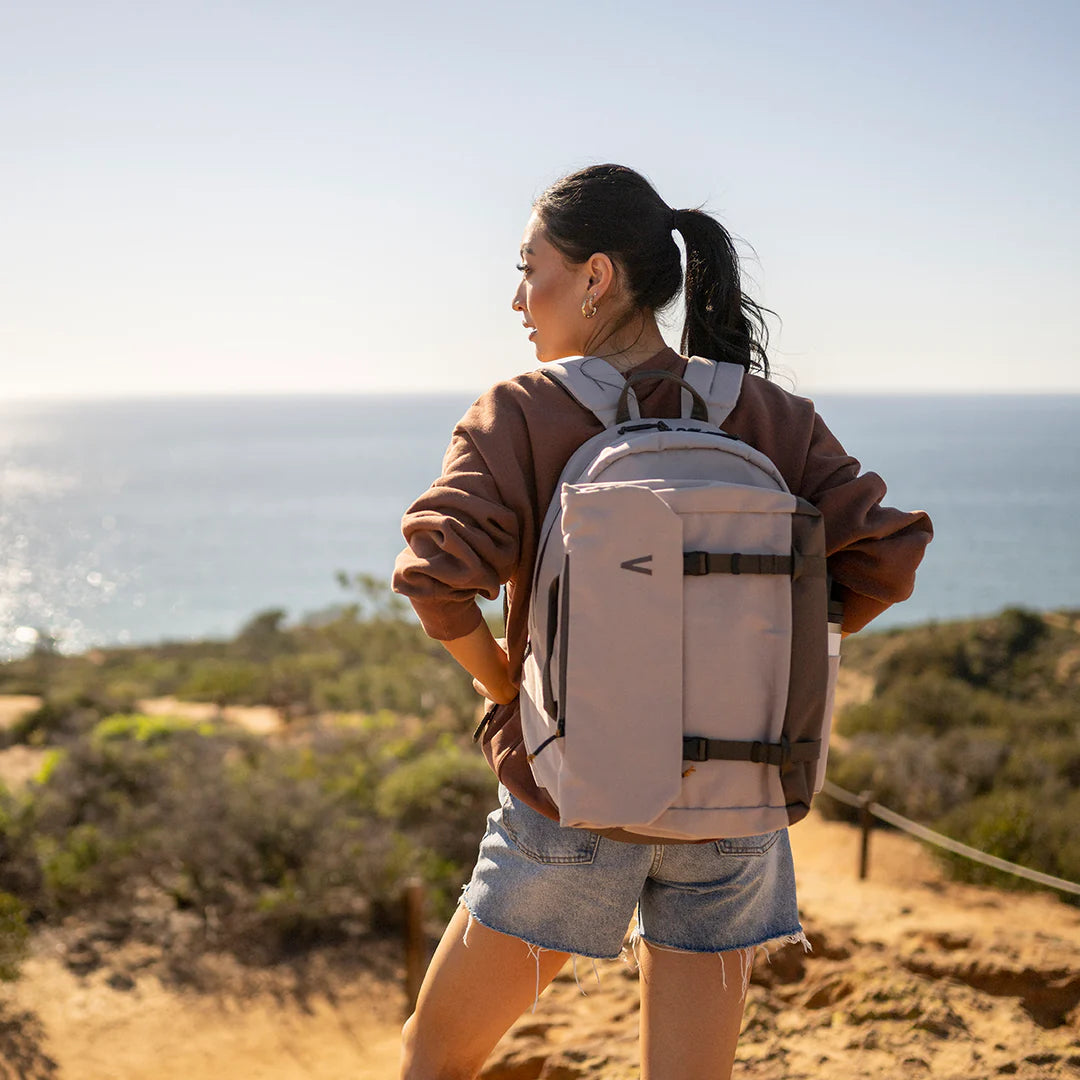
x=115 y=1024
x=911 y=976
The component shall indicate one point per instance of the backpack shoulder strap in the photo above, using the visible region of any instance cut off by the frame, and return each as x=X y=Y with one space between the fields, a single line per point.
x=718 y=382
x=592 y=382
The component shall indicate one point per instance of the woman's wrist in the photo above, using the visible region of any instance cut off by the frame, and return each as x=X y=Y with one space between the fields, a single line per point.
x=502 y=695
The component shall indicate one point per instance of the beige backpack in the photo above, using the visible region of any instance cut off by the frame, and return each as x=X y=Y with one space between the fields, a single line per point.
x=679 y=676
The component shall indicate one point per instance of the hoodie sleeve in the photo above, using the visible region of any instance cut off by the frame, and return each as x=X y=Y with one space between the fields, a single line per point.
x=462 y=536
x=873 y=550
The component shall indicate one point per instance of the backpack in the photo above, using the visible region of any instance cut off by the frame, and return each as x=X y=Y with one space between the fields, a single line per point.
x=679 y=674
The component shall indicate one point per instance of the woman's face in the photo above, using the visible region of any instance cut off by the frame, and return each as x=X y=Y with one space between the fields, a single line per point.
x=550 y=297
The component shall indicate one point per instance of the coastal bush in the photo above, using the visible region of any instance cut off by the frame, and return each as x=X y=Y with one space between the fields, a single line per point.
x=1002 y=654
x=1035 y=829
x=432 y=795
x=14 y=936
x=932 y=702
x=268 y=843
x=993 y=655
x=360 y=657
x=263 y=636
x=271 y=844
x=1042 y=762
x=917 y=774
x=974 y=730
x=225 y=682
x=66 y=716
x=20 y=873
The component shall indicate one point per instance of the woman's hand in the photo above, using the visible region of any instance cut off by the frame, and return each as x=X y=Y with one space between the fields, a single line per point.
x=492 y=697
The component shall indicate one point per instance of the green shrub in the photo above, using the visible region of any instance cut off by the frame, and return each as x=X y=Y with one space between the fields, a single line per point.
x=932 y=703
x=225 y=682
x=147 y=729
x=993 y=652
x=14 y=936
x=83 y=864
x=1035 y=829
x=367 y=655
x=268 y=843
x=919 y=775
x=63 y=717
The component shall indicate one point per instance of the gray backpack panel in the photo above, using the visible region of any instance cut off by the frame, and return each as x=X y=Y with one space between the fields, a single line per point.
x=677 y=679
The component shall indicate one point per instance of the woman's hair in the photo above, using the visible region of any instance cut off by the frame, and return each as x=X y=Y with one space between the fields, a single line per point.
x=616 y=211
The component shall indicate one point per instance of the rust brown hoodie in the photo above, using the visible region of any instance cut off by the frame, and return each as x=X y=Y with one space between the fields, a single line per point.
x=477 y=526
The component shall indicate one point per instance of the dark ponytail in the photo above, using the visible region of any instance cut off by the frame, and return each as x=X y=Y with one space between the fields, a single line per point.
x=614 y=210
x=722 y=322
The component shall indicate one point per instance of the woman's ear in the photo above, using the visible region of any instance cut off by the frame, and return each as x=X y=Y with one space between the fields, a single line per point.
x=601 y=274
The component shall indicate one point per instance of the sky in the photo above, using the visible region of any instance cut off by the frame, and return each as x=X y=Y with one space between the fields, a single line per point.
x=269 y=197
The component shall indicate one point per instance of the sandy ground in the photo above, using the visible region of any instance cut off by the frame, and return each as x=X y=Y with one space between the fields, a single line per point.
x=910 y=976
x=14 y=706
x=118 y=1024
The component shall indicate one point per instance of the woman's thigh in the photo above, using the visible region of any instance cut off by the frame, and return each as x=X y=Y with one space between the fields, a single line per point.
x=478 y=983
x=691 y=1011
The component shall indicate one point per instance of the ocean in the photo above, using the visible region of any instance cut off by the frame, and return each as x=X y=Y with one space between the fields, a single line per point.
x=146 y=520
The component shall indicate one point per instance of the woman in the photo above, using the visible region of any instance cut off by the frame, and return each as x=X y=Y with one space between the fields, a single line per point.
x=598 y=261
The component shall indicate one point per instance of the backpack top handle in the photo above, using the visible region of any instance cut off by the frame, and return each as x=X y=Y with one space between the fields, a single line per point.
x=629 y=409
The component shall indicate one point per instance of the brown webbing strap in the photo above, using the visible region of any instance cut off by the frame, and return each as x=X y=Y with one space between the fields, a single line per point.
x=699 y=563
x=783 y=753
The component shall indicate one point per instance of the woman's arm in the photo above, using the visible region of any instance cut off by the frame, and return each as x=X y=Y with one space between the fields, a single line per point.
x=486 y=661
x=873 y=550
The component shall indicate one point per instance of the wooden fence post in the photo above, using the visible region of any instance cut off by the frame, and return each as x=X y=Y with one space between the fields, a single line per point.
x=866 y=822
x=415 y=942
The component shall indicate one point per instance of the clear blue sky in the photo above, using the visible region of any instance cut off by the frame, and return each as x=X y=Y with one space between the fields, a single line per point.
x=263 y=196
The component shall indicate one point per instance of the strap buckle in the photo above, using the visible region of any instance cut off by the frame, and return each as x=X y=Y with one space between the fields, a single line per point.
x=695 y=564
x=695 y=748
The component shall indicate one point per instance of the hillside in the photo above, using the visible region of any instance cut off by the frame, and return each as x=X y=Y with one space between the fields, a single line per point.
x=911 y=976
x=971 y=728
x=208 y=841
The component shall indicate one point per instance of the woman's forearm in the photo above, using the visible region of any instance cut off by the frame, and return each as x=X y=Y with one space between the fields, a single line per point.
x=486 y=661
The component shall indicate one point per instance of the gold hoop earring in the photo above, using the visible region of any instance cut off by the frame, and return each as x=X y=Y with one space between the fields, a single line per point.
x=588 y=306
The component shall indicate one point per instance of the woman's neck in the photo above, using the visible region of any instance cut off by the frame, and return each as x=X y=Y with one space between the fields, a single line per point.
x=631 y=345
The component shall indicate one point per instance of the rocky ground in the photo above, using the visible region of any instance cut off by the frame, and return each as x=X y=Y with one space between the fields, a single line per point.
x=910 y=976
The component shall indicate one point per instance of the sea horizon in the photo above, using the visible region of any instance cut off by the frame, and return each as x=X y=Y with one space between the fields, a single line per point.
x=17 y=398
x=144 y=519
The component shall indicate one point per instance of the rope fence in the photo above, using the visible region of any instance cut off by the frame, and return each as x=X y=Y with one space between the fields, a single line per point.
x=868 y=808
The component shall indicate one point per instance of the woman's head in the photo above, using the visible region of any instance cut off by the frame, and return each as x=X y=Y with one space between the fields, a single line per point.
x=614 y=235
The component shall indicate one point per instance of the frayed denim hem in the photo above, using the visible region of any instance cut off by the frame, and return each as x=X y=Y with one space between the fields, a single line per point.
x=745 y=953
x=535 y=949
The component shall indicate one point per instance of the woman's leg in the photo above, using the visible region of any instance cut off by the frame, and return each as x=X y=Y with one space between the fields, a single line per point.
x=691 y=1011
x=470 y=996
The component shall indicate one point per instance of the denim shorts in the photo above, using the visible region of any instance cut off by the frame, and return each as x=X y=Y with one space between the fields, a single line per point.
x=575 y=891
